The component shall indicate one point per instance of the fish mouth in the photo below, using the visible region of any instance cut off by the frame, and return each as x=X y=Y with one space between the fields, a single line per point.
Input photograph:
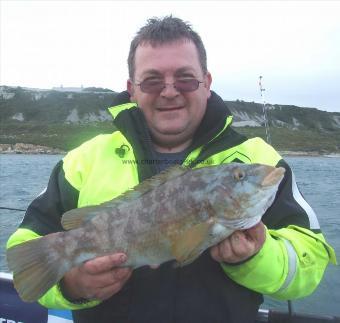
x=273 y=177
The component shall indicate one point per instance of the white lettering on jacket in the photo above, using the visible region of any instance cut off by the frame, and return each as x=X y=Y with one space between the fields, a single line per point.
x=4 y=320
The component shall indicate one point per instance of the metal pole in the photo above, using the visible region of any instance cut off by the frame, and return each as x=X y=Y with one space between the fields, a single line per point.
x=266 y=123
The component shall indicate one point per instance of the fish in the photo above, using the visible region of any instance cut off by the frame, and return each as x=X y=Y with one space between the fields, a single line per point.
x=173 y=216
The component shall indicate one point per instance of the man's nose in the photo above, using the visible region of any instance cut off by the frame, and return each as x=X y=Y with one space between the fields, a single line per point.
x=169 y=90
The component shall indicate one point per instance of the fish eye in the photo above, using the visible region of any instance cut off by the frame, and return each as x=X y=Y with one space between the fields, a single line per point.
x=239 y=174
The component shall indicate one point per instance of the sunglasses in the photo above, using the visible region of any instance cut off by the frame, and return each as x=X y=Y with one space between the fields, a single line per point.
x=155 y=86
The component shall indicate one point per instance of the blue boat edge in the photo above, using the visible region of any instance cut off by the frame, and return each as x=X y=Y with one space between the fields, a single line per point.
x=14 y=310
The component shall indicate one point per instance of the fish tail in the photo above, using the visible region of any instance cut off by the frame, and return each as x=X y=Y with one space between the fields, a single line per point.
x=36 y=268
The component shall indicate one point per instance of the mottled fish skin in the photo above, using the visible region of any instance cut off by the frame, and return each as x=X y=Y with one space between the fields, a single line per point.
x=175 y=215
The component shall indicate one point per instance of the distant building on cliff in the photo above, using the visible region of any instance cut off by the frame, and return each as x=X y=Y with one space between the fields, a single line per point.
x=68 y=89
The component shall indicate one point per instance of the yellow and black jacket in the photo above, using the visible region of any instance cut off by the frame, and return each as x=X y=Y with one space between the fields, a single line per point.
x=290 y=264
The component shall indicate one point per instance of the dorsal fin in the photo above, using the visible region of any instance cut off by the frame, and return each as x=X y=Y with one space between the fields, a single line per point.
x=159 y=179
x=77 y=217
x=147 y=185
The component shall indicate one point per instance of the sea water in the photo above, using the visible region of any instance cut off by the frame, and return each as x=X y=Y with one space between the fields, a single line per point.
x=23 y=177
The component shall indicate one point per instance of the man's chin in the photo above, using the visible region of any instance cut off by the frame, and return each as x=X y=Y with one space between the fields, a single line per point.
x=170 y=136
x=171 y=131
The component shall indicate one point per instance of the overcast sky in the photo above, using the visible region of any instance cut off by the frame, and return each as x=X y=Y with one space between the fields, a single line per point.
x=294 y=45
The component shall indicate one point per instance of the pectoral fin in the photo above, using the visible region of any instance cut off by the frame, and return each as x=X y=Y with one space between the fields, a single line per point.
x=188 y=246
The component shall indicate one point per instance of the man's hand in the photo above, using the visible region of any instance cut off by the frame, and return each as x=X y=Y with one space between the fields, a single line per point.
x=96 y=279
x=240 y=246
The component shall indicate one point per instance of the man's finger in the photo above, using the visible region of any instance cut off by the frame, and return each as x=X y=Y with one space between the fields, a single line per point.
x=103 y=264
x=221 y=251
x=256 y=233
x=215 y=253
x=107 y=291
x=242 y=248
x=111 y=277
x=225 y=250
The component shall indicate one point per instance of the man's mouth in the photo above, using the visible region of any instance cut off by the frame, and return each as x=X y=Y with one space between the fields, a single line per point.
x=172 y=108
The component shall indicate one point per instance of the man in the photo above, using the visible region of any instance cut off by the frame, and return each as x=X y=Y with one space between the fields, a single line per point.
x=170 y=115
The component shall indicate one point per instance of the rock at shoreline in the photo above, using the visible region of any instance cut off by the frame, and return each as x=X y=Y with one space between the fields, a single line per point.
x=21 y=148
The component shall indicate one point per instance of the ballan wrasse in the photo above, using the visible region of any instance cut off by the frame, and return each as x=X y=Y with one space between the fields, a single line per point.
x=175 y=215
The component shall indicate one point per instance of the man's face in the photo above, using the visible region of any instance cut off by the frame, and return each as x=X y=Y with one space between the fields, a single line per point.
x=172 y=116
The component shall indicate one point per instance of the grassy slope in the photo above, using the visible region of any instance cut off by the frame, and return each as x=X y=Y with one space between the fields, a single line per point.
x=62 y=136
x=67 y=136
x=299 y=140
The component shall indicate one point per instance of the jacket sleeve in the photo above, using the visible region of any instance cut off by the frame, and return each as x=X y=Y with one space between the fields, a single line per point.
x=295 y=254
x=43 y=217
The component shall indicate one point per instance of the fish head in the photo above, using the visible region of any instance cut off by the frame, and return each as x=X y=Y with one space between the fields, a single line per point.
x=242 y=193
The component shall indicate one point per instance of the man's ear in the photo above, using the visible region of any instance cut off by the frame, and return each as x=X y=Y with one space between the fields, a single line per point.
x=207 y=83
x=130 y=89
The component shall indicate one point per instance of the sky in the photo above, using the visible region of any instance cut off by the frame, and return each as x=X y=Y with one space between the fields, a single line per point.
x=293 y=45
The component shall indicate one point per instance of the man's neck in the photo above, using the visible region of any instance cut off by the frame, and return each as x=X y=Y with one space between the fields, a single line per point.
x=171 y=149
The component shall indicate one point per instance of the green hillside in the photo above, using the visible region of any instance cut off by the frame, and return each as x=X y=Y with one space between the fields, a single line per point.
x=66 y=119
